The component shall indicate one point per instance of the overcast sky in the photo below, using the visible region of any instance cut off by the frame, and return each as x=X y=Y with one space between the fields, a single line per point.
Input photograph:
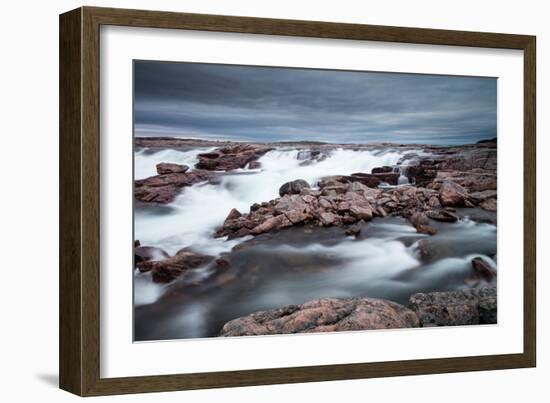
x=281 y=104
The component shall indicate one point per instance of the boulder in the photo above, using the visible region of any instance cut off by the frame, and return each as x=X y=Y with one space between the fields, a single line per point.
x=324 y=315
x=231 y=157
x=271 y=224
x=233 y=214
x=359 y=206
x=293 y=187
x=425 y=229
x=455 y=308
x=169 y=168
x=421 y=222
x=164 y=188
x=327 y=218
x=482 y=271
x=452 y=194
x=419 y=218
x=166 y=270
x=362 y=212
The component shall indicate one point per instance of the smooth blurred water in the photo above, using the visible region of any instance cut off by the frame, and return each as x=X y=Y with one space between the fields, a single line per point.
x=387 y=260
x=300 y=264
x=194 y=216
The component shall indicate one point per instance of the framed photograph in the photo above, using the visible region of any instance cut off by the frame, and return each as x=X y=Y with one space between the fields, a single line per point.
x=249 y=201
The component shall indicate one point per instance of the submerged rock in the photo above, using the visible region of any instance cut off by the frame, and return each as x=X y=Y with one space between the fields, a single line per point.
x=354 y=230
x=425 y=229
x=482 y=273
x=421 y=222
x=324 y=315
x=454 y=308
x=166 y=270
x=148 y=253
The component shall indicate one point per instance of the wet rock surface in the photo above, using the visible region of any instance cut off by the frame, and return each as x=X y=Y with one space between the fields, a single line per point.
x=293 y=187
x=168 y=269
x=170 y=168
x=336 y=221
x=451 y=308
x=324 y=315
x=147 y=253
x=337 y=203
x=454 y=308
x=164 y=188
x=482 y=274
x=231 y=157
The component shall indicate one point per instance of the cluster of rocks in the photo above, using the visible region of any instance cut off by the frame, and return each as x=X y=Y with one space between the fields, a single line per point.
x=452 y=177
x=468 y=170
x=451 y=308
x=232 y=157
x=165 y=268
x=472 y=167
x=164 y=187
x=377 y=177
x=346 y=200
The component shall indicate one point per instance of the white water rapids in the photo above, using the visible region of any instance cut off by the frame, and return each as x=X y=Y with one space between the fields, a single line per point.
x=295 y=265
x=200 y=209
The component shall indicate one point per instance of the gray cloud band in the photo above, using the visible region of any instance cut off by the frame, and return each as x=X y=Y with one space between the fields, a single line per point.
x=269 y=103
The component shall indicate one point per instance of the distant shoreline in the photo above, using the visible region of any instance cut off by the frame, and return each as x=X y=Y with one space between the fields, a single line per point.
x=183 y=142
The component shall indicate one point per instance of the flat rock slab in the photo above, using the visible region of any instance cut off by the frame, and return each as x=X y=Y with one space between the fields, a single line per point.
x=324 y=315
x=450 y=308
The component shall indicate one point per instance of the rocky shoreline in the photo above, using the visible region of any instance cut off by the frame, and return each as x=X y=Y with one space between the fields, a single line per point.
x=452 y=308
x=428 y=185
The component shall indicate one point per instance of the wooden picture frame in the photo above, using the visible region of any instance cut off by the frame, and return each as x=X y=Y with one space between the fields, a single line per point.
x=80 y=187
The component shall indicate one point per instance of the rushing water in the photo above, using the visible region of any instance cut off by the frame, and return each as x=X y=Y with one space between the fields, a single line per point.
x=388 y=259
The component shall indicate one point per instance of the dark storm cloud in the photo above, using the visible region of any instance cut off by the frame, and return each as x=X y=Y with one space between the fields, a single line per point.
x=266 y=104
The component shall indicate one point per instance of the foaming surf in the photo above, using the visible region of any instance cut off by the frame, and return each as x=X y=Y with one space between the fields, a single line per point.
x=389 y=259
x=194 y=216
x=146 y=160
